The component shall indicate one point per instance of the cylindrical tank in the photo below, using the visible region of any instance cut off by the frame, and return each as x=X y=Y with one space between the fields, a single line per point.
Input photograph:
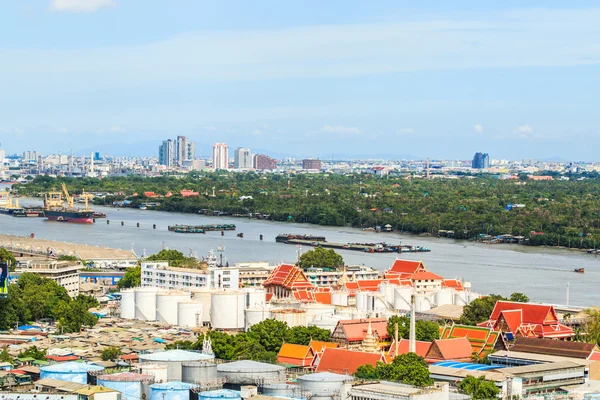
x=158 y=371
x=166 y=306
x=402 y=298
x=387 y=290
x=255 y=297
x=132 y=386
x=362 y=302
x=198 y=371
x=325 y=385
x=189 y=314
x=339 y=298
x=227 y=310
x=219 y=394
x=170 y=391
x=460 y=298
x=204 y=297
x=292 y=317
x=315 y=309
x=128 y=304
x=248 y=372
x=145 y=304
x=174 y=360
x=279 y=390
x=256 y=315
x=422 y=302
x=69 y=371
x=443 y=297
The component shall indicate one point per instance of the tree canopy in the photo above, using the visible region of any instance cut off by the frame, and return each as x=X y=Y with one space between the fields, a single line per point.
x=110 y=353
x=425 y=330
x=320 y=257
x=6 y=256
x=33 y=352
x=409 y=369
x=132 y=278
x=175 y=258
x=478 y=388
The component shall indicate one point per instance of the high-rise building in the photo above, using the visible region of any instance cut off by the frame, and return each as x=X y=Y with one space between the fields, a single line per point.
x=166 y=153
x=263 y=162
x=182 y=150
x=30 y=156
x=242 y=158
x=191 y=151
x=311 y=163
x=2 y=156
x=481 y=161
x=220 y=157
x=97 y=156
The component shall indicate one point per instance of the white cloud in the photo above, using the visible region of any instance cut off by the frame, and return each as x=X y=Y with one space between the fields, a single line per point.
x=343 y=130
x=406 y=131
x=524 y=129
x=81 y=5
x=477 y=128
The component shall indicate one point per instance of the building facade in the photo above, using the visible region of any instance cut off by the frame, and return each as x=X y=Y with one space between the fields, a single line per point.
x=64 y=273
x=220 y=156
x=166 y=153
x=481 y=161
x=263 y=162
x=160 y=275
x=242 y=158
x=311 y=163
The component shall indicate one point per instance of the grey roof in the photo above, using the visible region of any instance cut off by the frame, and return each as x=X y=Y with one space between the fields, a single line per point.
x=175 y=355
x=248 y=366
x=535 y=368
x=325 y=376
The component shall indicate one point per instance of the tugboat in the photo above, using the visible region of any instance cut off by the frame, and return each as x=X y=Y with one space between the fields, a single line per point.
x=55 y=210
x=579 y=270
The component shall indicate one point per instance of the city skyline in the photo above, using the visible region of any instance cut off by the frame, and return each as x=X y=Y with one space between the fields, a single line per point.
x=438 y=80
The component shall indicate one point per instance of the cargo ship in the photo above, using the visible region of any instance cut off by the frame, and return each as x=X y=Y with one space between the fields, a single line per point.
x=8 y=205
x=55 y=210
x=29 y=212
x=285 y=237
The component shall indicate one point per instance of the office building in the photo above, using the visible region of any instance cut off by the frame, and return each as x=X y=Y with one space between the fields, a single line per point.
x=191 y=151
x=182 y=150
x=311 y=163
x=161 y=275
x=220 y=157
x=30 y=156
x=166 y=153
x=97 y=156
x=64 y=273
x=481 y=161
x=242 y=158
x=263 y=162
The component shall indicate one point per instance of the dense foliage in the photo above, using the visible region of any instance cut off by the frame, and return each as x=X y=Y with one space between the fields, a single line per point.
x=591 y=326
x=175 y=258
x=6 y=256
x=427 y=331
x=478 y=388
x=261 y=343
x=131 y=279
x=566 y=211
x=34 y=297
x=320 y=257
x=479 y=310
x=110 y=353
x=409 y=369
x=33 y=352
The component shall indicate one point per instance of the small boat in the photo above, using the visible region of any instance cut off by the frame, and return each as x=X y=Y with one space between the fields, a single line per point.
x=579 y=270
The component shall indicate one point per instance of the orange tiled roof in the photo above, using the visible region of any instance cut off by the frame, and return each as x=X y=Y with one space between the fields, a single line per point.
x=295 y=354
x=421 y=348
x=458 y=349
x=424 y=276
x=288 y=276
x=532 y=313
x=318 y=346
x=406 y=267
x=356 y=329
x=453 y=284
x=482 y=339
x=343 y=361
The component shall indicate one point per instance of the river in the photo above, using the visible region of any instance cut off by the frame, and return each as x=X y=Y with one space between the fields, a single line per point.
x=541 y=273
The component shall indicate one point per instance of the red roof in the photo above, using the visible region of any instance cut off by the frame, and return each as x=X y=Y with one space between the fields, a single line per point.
x=421 y=348
x=62 y=358
x=482 y=339
x=132 y=356
x=356 y=329
x=343 y=361
x=288 y=276
x=318 y=346
x=512 y=318
x=295 y=354
x=458 y=349
x=372 y=285
x=452 y=283
x=425 y=276
x=406 y=267
x=595 y=356
x=532 y=313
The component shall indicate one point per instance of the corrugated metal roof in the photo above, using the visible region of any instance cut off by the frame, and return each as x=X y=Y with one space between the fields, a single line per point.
x=175 y=355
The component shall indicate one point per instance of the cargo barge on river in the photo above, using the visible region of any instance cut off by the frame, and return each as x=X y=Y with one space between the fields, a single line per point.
x=364 y=247
x=200 y=228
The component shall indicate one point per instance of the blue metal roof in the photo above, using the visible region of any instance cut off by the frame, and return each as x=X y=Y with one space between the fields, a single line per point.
x=467 y=366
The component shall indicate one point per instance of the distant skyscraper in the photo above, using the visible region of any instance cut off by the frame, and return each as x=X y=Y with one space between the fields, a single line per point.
x=481 y=161
x=30 y=156
x=182 y=150
x=263 y=162
x=166 y=153
x=191 y=151
x=242 y=158
x=97 y=156
x=311 y=163
x=220 y=156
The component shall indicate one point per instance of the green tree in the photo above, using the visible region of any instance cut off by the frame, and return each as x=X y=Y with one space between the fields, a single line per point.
x=269 y=333
x=519 y=297
x=320 y=257
x=6 y=256
x=409 y=369
x=479 y=310
x=367 y=373
x=223 y=345
x=591 y=326
x=304 y=334
x=427 y=331
x=478 y=388
x=73 y=316
x=132 y=278
x=66 y=257
x=110 y=353
x=87 y=301
x=5 y=356
x=33 y=352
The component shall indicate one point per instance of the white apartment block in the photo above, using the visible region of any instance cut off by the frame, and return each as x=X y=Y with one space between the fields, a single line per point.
x=161 y=275
x=65 y=273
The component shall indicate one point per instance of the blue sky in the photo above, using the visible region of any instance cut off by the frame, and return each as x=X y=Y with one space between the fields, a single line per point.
x=439 y=79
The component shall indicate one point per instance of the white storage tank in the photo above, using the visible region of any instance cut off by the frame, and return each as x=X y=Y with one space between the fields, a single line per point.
x=166 y=306
x=339 y=298
x=256 y=315
x=199 y=372
x=422 y=303
x=189 y=314
x=314 y=310
x=69 y=371
x=280 y=390
x=222 y=394
x=364 y=302
x=227 y=310
x=444 y=297
x=248 y=372
x=132 y=386
x=460 y=298
x=145 y=304
x=402 y=297
x=326 y=385
x=387 y=290
x=170 y=391
x=128 y=304
x=204 y=297
x=174 y=360
x=291 y=316
x=158 y=371
x=255 y=297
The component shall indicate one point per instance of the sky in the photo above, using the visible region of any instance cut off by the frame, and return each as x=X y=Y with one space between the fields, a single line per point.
x=306 y=78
